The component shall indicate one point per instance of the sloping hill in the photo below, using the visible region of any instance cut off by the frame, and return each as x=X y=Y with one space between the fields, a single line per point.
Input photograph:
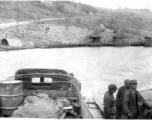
x=133 y=22
x=129 y=21
x=27 y=10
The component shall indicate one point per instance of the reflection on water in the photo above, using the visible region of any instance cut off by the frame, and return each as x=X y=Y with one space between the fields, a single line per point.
x=94 y=67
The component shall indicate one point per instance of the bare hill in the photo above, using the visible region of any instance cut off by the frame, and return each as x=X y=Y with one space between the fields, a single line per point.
x=132 y=22
x=28 y=10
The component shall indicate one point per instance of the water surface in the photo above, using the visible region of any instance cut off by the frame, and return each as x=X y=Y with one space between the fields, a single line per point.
x=94 y=67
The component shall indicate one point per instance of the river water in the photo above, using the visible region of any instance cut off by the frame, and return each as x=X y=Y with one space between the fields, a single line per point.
x=94 y=67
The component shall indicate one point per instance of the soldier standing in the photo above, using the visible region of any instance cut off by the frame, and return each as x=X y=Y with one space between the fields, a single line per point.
x=109 y=103
x=131 y=101
x=119 y=98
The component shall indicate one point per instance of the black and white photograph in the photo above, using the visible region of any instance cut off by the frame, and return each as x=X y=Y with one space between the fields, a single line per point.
x=76 y=59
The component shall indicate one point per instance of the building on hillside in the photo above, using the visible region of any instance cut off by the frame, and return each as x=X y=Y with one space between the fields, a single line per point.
x=120 y=39
x=94 y=38
x=107 y=37
x=148 y=41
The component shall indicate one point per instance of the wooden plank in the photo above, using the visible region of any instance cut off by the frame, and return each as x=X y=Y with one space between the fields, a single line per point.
x=93 y=106
x=96 y=113
x=90 y=102
x=94 y=109
x=96 y=100
x=86 y=113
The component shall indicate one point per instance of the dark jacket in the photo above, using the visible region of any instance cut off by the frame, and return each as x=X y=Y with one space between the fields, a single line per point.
x=130 y=102
x=120 y=95
x=108 y=104
x=119 y=99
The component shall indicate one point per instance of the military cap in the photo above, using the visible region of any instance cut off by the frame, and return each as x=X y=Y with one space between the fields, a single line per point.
x=71 y=74
x=112 y=87
x=126 y=81
x=133 y=82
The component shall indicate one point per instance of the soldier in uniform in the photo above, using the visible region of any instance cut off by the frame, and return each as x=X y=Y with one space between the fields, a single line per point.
x=131 y=102
x=119 y=98
x=109 y=102
x=71 y=74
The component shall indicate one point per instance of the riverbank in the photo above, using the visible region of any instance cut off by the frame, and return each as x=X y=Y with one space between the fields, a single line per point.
x=8 y=48
x=41 y=35
x=35 y=34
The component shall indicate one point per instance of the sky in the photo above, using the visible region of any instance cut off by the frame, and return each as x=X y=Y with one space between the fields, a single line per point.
x=115 y=4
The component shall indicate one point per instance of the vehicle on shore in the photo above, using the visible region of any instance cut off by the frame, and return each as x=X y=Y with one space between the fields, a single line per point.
x=57 y=84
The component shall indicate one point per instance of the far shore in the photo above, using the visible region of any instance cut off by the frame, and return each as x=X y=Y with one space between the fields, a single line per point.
x=9 y=48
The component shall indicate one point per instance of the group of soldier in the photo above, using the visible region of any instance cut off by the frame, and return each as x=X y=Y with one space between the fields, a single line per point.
x=129 y=104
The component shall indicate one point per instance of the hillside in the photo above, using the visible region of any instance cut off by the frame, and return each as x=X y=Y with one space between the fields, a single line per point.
x=132 y=22
x=29 y=10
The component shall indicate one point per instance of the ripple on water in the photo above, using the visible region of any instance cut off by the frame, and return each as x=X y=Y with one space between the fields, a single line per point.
x=95 y=67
